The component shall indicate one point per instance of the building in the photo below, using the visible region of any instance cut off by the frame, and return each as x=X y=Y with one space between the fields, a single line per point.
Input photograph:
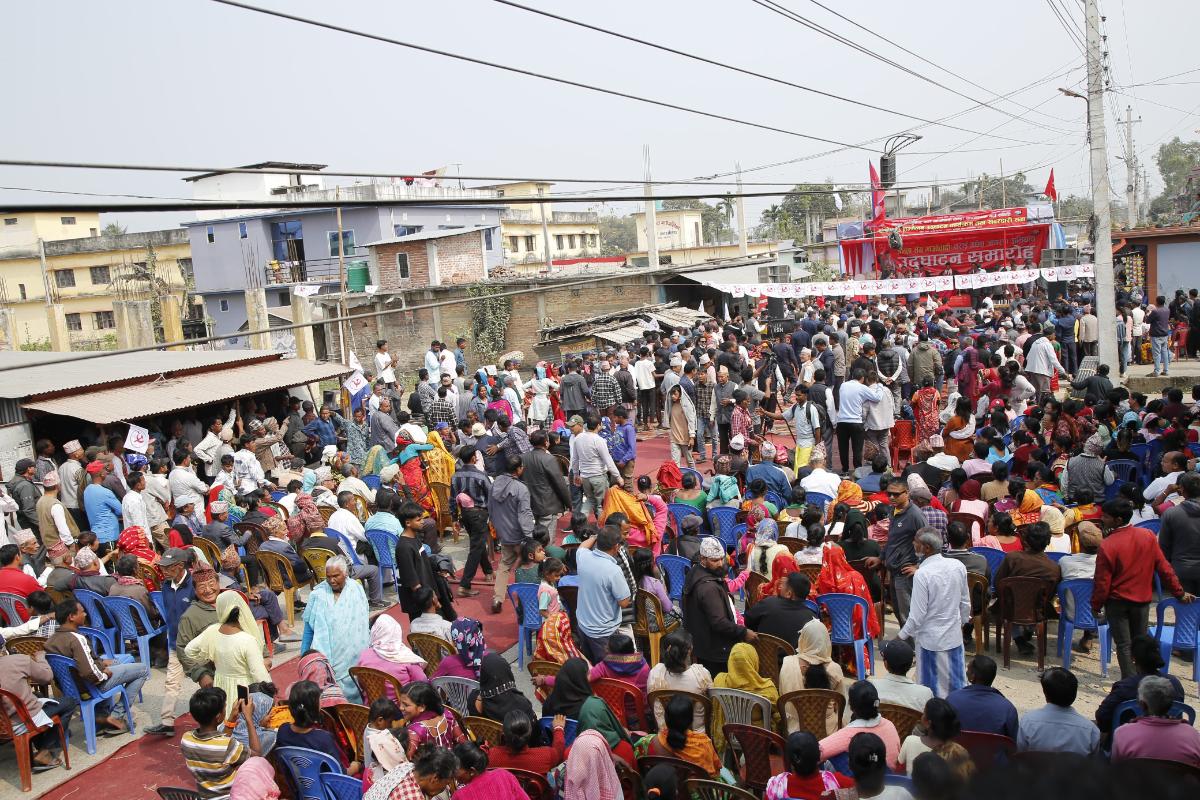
x=22 y=231
x=252 y=186
x=573 y=234
x=84 y=277
x=279 y=249
x=675 y=230
x=429 y=258
x=1159 y=259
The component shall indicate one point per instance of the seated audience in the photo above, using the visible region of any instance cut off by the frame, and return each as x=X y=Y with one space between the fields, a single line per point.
x=979 y=706
x=1156 y=735
x=1056 y=727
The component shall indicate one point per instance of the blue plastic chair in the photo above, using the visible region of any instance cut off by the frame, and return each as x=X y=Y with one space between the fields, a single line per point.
x=840 y=608
x=570 y=729
x=156 y=598
x=1081 y=617
x=1152 y=525
x=813 y=607
x=10 y=608
x=995 y=557
x=817 y=499
x=1179 y=710
x=341 y=787
x=524 y=599
x=62 y=667
x=1015 y=425
x=1154 y=454
x=98 y=617
x=681 y=510
x=372 y=481
x=1055 y=557
x=674 y=569
x=897 y=779
x=1180 y=636
x=278 y=495
x=384 y=545
x=696 y=472
x=721 y=520
x=305 y=767
x=347 y=545
x=776 y=499
x=1124 y=471
x=133 y=623
x=738 y=532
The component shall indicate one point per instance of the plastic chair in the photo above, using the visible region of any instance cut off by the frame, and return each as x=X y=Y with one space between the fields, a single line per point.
x=280 y=579
x=1180 y=636
x=623 y=698
x=650 y=623
x=483 y=730
x=524 y=599
x=174 y=793
x=894 y=779
x=818 y=499
x=10 y=607
x=680 y=511
x=738 y=707
x=347 y=546
x=1082 y=618
x=1152 y=525
x=775 y=499
x=631 y=781
x=1055 y=557
x=995 y=557
x=793 y=544
x=684 y=771
x=1125 y=470
x=812 y=708
x=63 y=669
x=661 y=697
x=756 y=745
x=904 y=440
x=570 y=730
x=674 y=570
x=26 y=645
x=21 y=741
x=350 y=719
x=341 y=787
x=133 y=623
x=716 y=790
x=157 y=599
x=1141 y=452
x=372 y=481
x=374 y=684
x=974 y=523
x=980 y=591
x=1132 y=709
x=384 y=545
x=1022 y=602
x=98 y=618
x=456 y=691
x=431 y=648
x=986 y=748
x=721 y=520
x=304 y=768
x=903 y=717
x=840 y=608
x=316 y=557
x=210 y=549
x=535 y=785
x=771 y=652
x=737 y=532
x=699 y=478
x=752 y=588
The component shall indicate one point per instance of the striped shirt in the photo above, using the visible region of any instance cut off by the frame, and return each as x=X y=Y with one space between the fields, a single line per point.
x=213 y=758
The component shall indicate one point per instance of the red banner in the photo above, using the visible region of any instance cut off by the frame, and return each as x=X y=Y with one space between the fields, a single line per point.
x=968 y=220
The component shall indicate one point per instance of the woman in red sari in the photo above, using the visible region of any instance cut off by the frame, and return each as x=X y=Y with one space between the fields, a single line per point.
x=133 y=540
x=413 y=470
x=837 y=576
x=926 y=404
x=783 y=565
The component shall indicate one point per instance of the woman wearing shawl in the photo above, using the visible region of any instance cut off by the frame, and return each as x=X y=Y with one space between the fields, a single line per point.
x=314 y=666
x=254 y=780
x=926 y=404
x=477 y=782
x=541 y=413
x=134 y=540
x=968 y=374
x=678 y=740
x=783 y=565
x=766 y=548
x=498 y=695
x=376 y=460
x=969 y=502
x=623 y=663
x=412 y=468
x=643 y=533
x=572 y=697
x=1029 y=507
x=306 y=519
x=590 y=774
x=742 y=674
x=812 y=667
x=851 y=494
x=439 y=469
x=234 y=646
x=388 y=653
x=837 y=576
x=335 y=622
x=466 y=635
x=756 y=511
x=959 y=432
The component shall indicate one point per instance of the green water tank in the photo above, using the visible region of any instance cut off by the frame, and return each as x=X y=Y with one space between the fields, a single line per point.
x=358 y=275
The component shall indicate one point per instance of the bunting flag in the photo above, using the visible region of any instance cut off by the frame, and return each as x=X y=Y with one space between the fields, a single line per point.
x=878 y=211
x=1050 y=191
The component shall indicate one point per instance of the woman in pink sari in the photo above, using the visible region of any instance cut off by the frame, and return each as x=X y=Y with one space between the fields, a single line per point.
x=477 y=782
x=926 y=404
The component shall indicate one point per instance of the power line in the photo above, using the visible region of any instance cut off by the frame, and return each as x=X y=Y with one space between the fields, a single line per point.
x=793 y=16
x=530 y=73
x=1163 y=78
x=1072 y=33
x=734 y=68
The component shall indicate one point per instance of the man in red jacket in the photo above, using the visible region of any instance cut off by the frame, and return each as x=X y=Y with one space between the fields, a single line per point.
x=1128 y=559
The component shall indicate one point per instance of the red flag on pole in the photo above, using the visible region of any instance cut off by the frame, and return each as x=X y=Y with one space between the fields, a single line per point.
x=1050 y=191
x=878 y=212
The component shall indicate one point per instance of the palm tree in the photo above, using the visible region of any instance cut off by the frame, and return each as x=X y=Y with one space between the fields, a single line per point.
x=725 y=206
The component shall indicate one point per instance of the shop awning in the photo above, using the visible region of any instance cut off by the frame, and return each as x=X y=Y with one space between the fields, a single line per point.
x=141 y=400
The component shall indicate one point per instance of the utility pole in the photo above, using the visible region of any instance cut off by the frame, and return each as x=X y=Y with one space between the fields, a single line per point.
x=1131 y=166
x=1003 y=187
x=45 y=272
x=545 y=230
x=345 y=348
x=743 y=245
x=1144 y=208
x=1106 y=298
x=651 y=219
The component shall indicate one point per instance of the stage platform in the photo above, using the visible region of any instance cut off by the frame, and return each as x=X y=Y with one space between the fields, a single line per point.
x=1184 y=374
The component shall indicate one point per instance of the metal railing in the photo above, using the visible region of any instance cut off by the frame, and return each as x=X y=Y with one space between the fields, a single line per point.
x=309 y=270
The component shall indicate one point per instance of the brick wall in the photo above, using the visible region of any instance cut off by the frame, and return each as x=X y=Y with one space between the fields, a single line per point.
x=460 y=260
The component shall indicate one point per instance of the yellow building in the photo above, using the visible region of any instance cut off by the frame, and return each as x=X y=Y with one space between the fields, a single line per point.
x=21 y=232
x=573 y=234
x=85 y=276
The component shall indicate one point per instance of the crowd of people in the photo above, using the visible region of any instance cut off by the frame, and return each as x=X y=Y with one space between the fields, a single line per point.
x=898 y=453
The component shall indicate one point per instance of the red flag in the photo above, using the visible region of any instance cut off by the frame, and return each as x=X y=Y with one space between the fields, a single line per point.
x=878 y=212
x=1050 y=191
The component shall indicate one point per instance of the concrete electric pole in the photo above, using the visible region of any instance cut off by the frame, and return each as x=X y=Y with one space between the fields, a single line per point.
x=1106 y=297
x=651 y=218
x=1131 y=167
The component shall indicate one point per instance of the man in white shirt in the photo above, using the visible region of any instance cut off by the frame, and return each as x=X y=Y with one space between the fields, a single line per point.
x=820 y=479
x=1042 y=362
x=852 y=399
x=383 y=363
x=1174 y=464
x=352 y=483
x=643 y=377
x=133 y=505
x=209 y=450
x=591 y=463
x=433 y=362
x=446 y=363
x=940 y=606
x=894 y=685
x=345 y=521
x=182 y=479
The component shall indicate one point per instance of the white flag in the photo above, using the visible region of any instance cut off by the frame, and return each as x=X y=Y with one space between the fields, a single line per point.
x=306 y=290
x=355 y=364
x=138 y=439
x=355 y=383
x=837 y=200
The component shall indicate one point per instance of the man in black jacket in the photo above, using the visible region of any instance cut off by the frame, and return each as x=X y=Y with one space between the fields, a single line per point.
x=708 y=609
x=1179 y=538
x=549 y=494
x=785 y=615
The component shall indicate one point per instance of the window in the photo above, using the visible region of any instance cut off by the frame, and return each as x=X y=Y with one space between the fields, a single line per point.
x=100 y=275
x=93 y=232
x=287 y=240
x=593 y=239
x=74 y=323
x=558 y=241
x=185 y=266
x=224 y=305
x=499 y=193
x=450 y=227
x=407 y=230
x=67 y=220
x=10 y=220
x=487 y=239
x=529 y=245
x=402 y=266
x=514 y=243
x=571 y=239
x=242 y=233
x=64 y=278
x=212 y=236
x=284 y=298
x=347 y=243
x=21 y=287
x=103 y=320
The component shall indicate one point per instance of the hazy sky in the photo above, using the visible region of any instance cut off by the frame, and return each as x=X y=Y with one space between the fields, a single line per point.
x=191 y=82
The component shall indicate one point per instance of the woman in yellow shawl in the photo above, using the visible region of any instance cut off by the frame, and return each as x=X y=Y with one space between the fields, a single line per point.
x=439 y=469
x=377 y=459
x=743 y=674
x=554 y=643
x=812 y=667
x=234 y=646
x=851 y=494
x=1029 y=509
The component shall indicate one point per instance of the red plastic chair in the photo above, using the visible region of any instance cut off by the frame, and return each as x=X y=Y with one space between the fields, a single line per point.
x=757 y=746
x=622 y=697
x=986 y=748
x=904 y=440
x=536 y=786
x=21 y=740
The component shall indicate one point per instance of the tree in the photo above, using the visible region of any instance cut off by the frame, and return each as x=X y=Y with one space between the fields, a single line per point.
x=999 y=193
x=1176 y=159
x=618 y=235
x=788 y=219
x=714 y=224
x=726 y=206
x=1074 y=207
x=112 y=229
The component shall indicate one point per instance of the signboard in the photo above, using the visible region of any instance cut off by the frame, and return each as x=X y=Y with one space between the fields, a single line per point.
x=138 y=439
x=16 y=442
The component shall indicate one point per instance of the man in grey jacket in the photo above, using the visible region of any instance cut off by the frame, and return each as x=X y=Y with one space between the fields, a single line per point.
x=925 y=362
x=549 y=494
x=511 y=515
x=1180 y=534
x=383 y=427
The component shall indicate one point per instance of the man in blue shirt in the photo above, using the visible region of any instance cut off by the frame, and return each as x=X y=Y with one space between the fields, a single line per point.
x=981 y=707
x=101 y=504
x=1056 y=727
x=851 y=431
x=603 y=592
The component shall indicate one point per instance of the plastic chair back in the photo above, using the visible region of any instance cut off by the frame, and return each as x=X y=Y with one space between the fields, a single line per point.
x=210 y=549
x=775 y=499
x=684 y=770
x=384 y=545
x=974 y=523
x=986 y=749
x=98 y=617
x=347 y=546
x=341 y=787
x=757 y=746
x=372 y=481
x=456 y=691
x=793 y=544
x=903 y=717
x=695 y=472
x=721 y=520
x=680 y=511
x=351 y=720
x=373 y=684
x=431 y=648
x=277 y=570
x=818 y=711
x=1132 y=709
x=817 y=499
x=625 y=700
x=133 y=623
x=483 y=730
x=674 y=570
x=316 y=557
x=738 y=707
x=1182 y=635
x=1125 y=470
x=903 y=781
x=716 y=790
x=570 y=729
x=305 y=767
x=661 y=697
x=534 y=784
x=771 y=652
x=994 y=556
x=10 y=607
x=1152 y=525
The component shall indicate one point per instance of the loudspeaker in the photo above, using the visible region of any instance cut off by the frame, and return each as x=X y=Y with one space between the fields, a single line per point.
x=775 y=307
x=887 y=170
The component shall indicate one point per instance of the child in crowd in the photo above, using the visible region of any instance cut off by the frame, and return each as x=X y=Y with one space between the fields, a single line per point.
x=426 y=719
x=226 y=477
x=532 y=555
x=41 y=604
x=552 y=571
x=385 y=742
x=210 y=751
x=304 y=701
x=649 y=578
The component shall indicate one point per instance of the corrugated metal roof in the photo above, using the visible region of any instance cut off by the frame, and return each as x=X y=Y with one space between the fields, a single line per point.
x=40 y=374
x=622 y=335
x=141 y=400
x=679 y=317
x=434 y=234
